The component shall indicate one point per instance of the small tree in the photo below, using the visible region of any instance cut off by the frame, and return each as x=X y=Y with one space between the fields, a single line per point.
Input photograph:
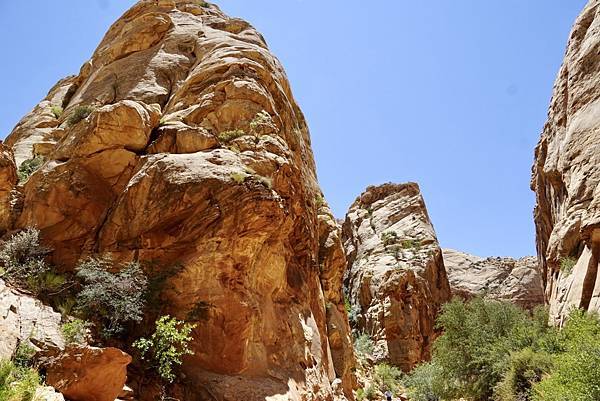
x=167 y=345
x=117 y=298
x=29 y=167
x=22 y=256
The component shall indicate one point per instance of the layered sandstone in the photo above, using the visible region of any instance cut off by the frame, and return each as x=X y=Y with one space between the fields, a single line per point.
x=396 y=279
x=196 y=159
x=513 y=280
x=566 y=176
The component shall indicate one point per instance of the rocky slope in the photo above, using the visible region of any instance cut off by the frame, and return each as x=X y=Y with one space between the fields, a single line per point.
x=566 y=175
x=514 y=280
x=396 y=279
x=181 y=146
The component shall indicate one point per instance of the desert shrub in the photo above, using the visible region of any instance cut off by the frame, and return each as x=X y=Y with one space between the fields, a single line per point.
x=228 y=136
x=526 y=367
x=424 y=383
x=22 y=256
x=115 y=298
x=239 y=178
x=57 y=111
x=78 y=114
x=576 y=373
x=75 y=331
x=17 y=383
x=567 y=263
x=167 y=345
x=24 y=354
x=261 y=124
x=387 y=377
x=473 y=353
x=389 y=238
x=29 y=167
x=364 y=345
x=367 y=393
x=411 y=244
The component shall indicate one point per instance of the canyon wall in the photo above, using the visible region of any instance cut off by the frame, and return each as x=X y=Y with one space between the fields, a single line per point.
x=566 y=176
x=179 y=144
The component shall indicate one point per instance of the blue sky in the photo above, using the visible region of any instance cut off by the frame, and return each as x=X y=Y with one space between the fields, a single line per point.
x=450 y=94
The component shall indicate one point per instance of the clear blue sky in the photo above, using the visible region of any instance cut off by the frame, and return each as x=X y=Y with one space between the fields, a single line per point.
x=451 y=94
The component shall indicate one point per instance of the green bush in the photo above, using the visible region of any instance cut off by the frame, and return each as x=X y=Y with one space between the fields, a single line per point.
x=75 y=331
x=425 y=383
x=567 y=264
x=78 y=114
x=576 y=376
x=23 y=357
x=389 y=238
x=368 y=393
x=17 y=383
x=364 y=345
x=527 y=367
x=57 y=111
x=228 y=136
x=167 y=345
x=113 y=298
x=29 y=167
x=22 y=257
x=387 y=377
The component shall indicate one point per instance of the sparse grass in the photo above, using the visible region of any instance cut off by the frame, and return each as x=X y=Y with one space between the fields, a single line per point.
x=57 y=111
x=75 y=331
x=411 y=244
x=29 y=167
x=238 y=177
x=228 y=136
x=17 y=383
x=24 y=354
x=78 y=114
x=389 y=238
x=567 y=264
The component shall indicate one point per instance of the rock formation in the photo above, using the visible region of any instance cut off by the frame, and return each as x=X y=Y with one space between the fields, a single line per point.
x=179 y=144
x=566 y=176
x=83 y=373
x=25 y=320
x=396 y=279
x=515 y=280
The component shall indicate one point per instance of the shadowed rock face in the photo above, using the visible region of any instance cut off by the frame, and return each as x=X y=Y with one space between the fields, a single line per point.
x=196 y=155
x=514 y=280
x=566 y=175
x=396 y=279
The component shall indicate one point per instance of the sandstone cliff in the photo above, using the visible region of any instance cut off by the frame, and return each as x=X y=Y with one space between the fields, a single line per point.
x=514 y=280
x=179 y=143
x=566 y=175
x=396 y=279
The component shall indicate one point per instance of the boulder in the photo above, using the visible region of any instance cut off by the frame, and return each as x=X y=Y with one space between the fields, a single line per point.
x=85 y=373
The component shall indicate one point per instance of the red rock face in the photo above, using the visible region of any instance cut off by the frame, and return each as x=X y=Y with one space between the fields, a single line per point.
x=195 y=155
x=566 y=176
x=396 y=280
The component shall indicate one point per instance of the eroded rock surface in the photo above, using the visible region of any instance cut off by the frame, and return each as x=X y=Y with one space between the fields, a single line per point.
x=514 y=280
x=84 y=373
x=396 y=279
x=24 y=319
x=566 y=176
x=190 y=154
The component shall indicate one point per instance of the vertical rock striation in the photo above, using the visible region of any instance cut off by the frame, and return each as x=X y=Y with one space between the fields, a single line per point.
x=396 y=279
x=181 y=146
x=566 y=176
